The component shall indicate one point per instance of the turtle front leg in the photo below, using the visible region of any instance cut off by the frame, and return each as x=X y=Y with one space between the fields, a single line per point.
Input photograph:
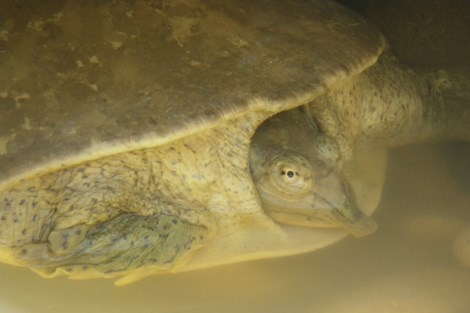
x=116 y=247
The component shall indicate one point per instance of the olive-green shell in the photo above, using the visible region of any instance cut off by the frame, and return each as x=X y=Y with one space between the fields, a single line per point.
x=85 y=79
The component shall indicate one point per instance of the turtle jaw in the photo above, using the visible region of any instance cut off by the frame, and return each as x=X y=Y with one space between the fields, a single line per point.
x=301 y=213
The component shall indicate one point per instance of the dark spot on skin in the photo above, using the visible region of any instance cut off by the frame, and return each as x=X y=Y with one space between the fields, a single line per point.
x=24 y=251
x=22 y=202
x=4 y=218
x=175 y=221
x=78 y=232
x=23 y=232
x=15 y=220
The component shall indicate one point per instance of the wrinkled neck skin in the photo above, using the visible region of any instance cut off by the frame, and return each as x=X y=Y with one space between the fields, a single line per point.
x=391 y=104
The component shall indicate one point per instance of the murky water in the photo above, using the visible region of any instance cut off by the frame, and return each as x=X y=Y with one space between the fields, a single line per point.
x=407 y=266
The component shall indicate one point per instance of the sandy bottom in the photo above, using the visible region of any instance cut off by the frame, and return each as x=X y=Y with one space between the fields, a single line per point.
x=407 y=266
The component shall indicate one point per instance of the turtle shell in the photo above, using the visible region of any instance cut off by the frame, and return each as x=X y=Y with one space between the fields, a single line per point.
x=86 y=80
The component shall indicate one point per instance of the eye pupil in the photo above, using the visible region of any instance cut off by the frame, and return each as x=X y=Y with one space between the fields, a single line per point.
x=289 y=173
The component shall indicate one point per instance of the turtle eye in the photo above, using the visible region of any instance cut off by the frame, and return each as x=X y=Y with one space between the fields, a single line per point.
x=289 y=174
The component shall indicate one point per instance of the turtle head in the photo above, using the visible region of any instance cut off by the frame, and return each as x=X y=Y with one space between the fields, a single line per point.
x=304 y=191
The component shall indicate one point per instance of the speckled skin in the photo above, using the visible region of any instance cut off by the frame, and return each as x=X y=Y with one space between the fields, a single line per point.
x=391 y=104
x=143 y=209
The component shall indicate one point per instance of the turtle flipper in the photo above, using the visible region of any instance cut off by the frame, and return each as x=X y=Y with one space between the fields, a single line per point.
x=116 y=247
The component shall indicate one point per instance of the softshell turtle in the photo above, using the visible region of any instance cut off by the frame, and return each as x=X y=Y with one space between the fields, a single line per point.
x=125 y=130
